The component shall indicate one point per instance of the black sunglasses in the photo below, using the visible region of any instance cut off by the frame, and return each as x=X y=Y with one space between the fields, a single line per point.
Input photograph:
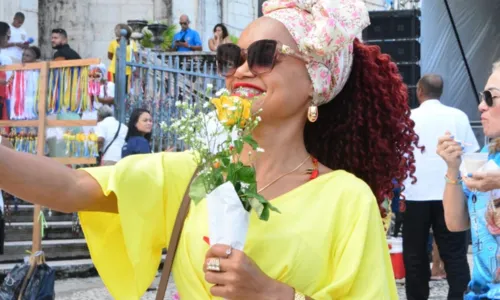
x=261 y=57
x=183 y=23
x=488 y=97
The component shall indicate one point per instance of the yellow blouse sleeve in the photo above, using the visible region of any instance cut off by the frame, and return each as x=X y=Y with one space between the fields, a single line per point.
x=126 y=247
x=363 y=268
x=112 y=46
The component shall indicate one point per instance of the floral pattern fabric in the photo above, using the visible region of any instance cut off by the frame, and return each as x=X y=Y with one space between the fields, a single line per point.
x=324 y=30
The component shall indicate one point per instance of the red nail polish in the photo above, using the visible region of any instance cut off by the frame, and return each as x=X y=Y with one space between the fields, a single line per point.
x=206 y=239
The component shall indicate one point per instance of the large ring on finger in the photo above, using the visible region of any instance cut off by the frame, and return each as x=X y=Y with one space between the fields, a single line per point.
x=213 y=264
x=229 y=251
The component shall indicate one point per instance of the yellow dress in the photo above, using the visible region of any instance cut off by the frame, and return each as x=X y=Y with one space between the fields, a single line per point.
x=328 y=242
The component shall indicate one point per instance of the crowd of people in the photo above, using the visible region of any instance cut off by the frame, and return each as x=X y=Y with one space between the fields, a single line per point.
x=314 y=80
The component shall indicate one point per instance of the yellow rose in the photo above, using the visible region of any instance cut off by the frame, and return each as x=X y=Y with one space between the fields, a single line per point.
x=231 y=109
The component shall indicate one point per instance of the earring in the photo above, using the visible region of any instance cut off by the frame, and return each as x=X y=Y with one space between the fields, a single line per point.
x=312 y=113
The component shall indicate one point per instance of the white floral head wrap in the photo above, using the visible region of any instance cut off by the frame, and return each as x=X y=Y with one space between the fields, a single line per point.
x=101 y=67
x=324 y=30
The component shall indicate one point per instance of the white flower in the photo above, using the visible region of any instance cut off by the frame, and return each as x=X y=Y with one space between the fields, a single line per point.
x=206 y=105
x=259 y=149
x=210 y=86
x=244 y=185
x=232 y=108
x=178 y=103
x=221 y=92
x=258 y=118
x=225 y=105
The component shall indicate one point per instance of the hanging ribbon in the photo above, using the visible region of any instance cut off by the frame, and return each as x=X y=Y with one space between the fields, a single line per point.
x=43 y=223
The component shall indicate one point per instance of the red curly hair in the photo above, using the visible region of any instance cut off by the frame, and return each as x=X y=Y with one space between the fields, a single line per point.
x=366 y=129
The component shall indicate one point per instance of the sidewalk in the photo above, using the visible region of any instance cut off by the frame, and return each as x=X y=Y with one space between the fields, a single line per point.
x=93 y=289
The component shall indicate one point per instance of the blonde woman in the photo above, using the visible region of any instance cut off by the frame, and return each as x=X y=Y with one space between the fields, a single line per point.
x=468 y=202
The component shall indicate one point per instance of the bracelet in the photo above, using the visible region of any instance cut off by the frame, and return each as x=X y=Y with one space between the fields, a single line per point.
x=457 y=181
x=299 y=296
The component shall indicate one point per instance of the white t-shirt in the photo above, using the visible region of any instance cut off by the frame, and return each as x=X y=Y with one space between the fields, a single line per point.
x=17 y=35
x=92 y=115
x=107 y=129
x=5 y=61
x=432 y=120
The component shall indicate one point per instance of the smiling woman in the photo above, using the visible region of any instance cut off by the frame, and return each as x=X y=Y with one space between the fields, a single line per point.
x=331 y=106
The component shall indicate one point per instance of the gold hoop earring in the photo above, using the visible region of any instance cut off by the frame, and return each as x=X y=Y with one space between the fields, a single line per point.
x=312 y=113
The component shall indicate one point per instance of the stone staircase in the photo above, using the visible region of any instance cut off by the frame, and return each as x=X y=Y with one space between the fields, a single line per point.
x=64 y=250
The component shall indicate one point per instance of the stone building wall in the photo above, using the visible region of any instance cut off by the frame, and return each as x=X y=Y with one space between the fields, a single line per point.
x=90 y=23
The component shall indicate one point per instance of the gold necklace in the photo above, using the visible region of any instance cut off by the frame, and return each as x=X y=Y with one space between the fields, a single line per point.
x=283 y=175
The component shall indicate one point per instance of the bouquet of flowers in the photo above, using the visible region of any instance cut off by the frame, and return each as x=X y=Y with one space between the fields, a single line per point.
x=217 y=138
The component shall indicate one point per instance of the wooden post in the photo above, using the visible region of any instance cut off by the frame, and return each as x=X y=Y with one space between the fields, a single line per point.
x=42 y=105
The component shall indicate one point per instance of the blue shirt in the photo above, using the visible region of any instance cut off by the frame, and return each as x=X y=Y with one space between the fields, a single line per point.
x=485 y=245
x=136 y=145
x=190 y=36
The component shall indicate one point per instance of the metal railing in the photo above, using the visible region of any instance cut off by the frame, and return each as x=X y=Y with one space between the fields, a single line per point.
x=158 y=80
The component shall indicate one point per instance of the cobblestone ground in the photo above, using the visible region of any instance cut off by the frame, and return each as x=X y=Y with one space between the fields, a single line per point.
x=93 y=289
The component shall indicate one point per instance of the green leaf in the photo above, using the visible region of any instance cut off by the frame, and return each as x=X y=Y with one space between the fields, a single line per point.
x=246 y=174
x=238 y=145
x=225 y=161
x=257 y=206
x=261 y=206
x=249 y=140
x=264 y=216
x=231 y=173
x=197 y=191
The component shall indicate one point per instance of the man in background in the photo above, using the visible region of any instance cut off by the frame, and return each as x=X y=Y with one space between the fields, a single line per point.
x=424 y=205
x=59 y=39
x=18 y=40
x=187 y=39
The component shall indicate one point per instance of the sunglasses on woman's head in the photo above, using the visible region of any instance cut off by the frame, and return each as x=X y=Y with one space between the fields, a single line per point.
x=488 y=97
x=261 y=57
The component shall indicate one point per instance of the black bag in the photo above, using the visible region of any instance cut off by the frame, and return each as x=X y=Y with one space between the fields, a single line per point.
x=33 y=280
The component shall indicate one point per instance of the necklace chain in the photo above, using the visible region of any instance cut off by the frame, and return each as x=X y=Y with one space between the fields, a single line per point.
x=283 y=175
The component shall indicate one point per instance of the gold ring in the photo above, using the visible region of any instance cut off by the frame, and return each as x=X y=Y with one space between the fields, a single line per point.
x=213 y=264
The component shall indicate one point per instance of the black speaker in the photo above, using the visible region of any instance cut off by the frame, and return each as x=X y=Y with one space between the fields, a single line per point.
x=393 y=24
x=412 y=97
x=400 y=51
x=410 y=73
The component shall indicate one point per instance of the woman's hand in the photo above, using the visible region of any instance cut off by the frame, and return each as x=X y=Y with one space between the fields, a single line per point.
x=483 y=181
x=240 y=278
x=450 y=150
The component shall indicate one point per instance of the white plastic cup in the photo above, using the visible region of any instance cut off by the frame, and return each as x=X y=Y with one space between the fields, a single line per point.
x=474 y=161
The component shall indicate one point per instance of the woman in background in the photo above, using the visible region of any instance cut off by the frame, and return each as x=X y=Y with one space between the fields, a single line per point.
x=139 y=133
x=105 y=95
x=221 y=36
x=31 y=54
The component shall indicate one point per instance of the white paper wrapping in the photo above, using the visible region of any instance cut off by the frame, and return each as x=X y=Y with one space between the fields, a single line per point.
x=227 y=219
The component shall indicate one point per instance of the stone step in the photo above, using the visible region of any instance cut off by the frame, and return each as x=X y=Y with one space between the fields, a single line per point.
x=24 y=213
x=54 y=250
x=22 y=231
